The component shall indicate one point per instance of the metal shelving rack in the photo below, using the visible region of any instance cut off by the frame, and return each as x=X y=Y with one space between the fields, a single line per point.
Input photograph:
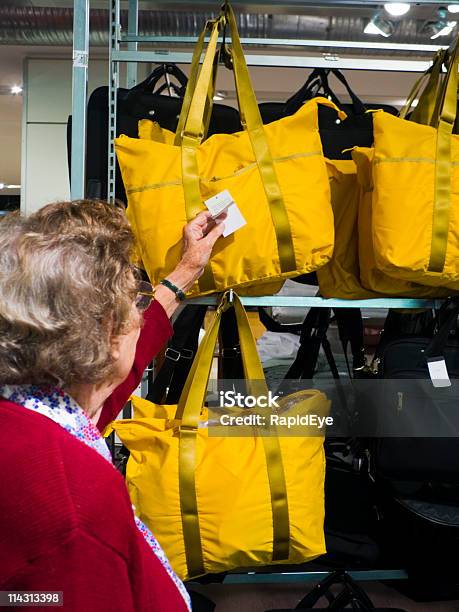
x=124 y=48
x=132 y=56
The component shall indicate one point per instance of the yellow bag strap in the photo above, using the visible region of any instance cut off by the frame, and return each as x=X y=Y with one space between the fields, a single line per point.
x=251 y=120
x=188 y=411
x=424 y=110
x=442 y=200
x=191 y=85
x=191 y=136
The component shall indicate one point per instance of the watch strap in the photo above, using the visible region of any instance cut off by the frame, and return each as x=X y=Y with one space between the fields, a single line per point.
x=178 y=292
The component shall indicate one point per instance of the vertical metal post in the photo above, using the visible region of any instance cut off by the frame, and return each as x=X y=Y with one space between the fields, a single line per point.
x=133 y=30
x=113 y=83
x=79 y=96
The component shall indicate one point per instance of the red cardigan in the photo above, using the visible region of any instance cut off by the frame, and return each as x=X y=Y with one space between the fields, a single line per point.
x=66 y=521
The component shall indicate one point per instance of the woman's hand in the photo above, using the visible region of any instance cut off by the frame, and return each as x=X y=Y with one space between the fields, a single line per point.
x=199 y=237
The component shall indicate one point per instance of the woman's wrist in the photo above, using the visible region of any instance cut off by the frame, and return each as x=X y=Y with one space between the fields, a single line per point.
x=183 y=277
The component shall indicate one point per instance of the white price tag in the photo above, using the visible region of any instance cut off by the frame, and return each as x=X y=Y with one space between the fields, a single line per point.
x=223 y=202
x=218 y=203
x=438 y=372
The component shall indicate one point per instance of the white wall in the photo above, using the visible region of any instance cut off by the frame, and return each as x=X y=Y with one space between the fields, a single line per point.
x=47 y=105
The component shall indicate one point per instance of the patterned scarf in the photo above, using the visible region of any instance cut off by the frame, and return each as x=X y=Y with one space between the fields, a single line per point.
x=62 y=409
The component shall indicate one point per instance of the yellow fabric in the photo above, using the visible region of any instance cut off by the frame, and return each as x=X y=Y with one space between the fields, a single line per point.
x=252 y=500
x=276 y=175
x=151 y=130
x=416 y=193
x=404 y=173
x=340 y=278
x=371 y=277
x=156 y=208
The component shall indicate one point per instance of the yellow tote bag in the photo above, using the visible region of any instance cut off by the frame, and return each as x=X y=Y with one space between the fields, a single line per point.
x=151 y=130
x=416 y=192
x=218 y=503
x=340 y=278
x=371 y=277
x=352 y=273
x=276 y=175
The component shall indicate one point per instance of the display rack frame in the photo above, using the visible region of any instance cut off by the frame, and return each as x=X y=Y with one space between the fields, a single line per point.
x=132 y=56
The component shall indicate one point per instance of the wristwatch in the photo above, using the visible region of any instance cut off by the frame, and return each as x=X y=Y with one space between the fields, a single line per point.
x=178 y=292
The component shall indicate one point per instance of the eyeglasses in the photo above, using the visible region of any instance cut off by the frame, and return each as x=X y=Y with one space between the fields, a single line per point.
x=145 y=296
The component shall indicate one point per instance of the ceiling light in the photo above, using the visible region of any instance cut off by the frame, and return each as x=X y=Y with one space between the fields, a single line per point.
x=444 y=30
x=440 y=27
x=219 y=95
x=453 y=8
x=16 y=90
x=2 y=185
x=13 y=186
x=397 y=9
x=379 y=27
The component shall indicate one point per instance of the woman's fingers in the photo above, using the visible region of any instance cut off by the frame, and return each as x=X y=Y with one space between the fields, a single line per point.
x=202 y=219
x=215 y=233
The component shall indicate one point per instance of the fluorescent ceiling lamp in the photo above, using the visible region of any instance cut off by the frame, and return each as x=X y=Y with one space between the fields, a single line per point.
x=379 y=27
x=453 y=8
x=16 y=90
x=445 y=30
x=397 y=9
x=13 y=186
x=219 y=96
x=2 y=185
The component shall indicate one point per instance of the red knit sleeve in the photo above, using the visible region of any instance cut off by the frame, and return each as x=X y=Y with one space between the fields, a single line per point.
x=156 y=331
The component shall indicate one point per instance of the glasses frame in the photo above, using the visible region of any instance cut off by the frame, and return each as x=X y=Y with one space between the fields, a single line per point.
x=145 y=296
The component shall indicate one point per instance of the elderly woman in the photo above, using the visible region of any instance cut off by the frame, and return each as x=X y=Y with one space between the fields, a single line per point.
x=75 y=337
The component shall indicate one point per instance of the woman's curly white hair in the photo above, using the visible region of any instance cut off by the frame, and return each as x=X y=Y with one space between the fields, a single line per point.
x=66 y=288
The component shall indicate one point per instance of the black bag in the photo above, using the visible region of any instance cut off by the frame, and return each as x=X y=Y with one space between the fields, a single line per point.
x=144 y=101
x=356 y=130
x=417 y=478
x=420 y=459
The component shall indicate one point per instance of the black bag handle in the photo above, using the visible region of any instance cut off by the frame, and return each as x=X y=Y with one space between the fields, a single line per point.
x=149 y=84
x=316 y=81
x=357 y=104
x=178 y=91
x=321 y=74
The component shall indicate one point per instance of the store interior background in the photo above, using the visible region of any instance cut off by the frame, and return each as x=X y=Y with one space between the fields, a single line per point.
x=35 y=55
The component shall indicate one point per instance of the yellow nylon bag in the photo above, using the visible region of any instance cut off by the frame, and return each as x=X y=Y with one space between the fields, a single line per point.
x=276 y=174
x=218 y=503
x=151 y=130
x=340 y=278
x=415 y=207
x=371 y=277
x=351 y=273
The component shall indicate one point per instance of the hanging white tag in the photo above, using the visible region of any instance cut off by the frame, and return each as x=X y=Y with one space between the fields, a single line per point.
x=438 y=372
x=223 y=202
x=218 y=203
